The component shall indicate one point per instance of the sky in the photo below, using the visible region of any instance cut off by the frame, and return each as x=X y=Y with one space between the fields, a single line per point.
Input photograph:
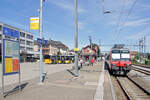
x=128 y=21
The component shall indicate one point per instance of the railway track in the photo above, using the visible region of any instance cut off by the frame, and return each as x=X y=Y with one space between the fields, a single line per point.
x=141 y=65
x=144 y=71
x=132 y=90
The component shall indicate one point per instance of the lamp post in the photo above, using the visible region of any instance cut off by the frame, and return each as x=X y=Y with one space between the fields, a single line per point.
x=76 y=37
x=104 y=12
x=41 y=56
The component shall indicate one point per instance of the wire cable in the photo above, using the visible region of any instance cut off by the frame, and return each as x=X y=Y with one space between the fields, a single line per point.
x=133 y=5
x=119 y=19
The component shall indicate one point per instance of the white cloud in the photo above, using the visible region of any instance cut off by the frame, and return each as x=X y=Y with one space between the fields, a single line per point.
x=137 y=22
x=14 y=23
x=67 y=5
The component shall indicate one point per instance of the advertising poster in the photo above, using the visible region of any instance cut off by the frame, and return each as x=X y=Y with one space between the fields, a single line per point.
x=10 y=57
x=8 y=65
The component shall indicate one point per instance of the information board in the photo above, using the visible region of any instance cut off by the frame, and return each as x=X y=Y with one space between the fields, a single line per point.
x=10 y=57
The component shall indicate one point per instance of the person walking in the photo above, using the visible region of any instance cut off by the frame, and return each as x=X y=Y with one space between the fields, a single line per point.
x=81 y=62
x=92 y=61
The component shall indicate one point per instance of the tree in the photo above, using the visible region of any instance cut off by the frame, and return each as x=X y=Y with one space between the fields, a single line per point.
x=148 y=56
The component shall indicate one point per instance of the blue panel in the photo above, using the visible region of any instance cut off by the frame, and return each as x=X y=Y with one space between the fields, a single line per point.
x=39 y=40
x=10 y=32
x=15 y=34
x=45 y=42
x=6 y=31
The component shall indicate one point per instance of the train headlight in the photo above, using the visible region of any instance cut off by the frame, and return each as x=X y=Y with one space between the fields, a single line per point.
x=113 y=64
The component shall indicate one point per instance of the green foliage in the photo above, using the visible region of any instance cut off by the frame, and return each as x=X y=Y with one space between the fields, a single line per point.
x=137 y=57
x=147 y=62
x=148 y=56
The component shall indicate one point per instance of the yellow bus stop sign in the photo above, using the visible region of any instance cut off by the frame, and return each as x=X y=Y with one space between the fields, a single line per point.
x=34 y=23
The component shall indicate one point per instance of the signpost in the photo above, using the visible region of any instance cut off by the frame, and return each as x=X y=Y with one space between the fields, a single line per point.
x=42 y=41
x=10 y=54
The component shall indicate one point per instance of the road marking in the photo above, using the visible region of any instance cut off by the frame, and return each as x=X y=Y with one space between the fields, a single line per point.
x=100 y=87
x=91 y=83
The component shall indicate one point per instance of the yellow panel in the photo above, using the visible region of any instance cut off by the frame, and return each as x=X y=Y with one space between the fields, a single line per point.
x=34 y=23
x=34 y=18
x=34 y=26
x=8 y=65
x=76 y=49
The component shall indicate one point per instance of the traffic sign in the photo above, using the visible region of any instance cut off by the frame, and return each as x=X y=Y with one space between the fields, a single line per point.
x=45 y=42
x=39 y=40
x=42 y=41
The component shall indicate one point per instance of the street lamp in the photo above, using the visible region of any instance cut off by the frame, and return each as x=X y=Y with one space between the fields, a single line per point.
x=76 y=38
x=105 y=12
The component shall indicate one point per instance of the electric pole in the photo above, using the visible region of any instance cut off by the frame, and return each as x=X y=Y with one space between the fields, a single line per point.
x=41 y=37
x=76 y=37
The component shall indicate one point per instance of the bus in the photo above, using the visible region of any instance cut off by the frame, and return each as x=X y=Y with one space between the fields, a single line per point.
x=47 y=59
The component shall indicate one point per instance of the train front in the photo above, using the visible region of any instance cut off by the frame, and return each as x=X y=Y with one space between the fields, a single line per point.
x=120 y=61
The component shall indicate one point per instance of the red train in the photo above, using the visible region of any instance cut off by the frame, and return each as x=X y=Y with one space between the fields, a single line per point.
x=119 y=60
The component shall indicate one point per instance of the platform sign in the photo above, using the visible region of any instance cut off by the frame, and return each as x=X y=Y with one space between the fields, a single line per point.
x=10 y=57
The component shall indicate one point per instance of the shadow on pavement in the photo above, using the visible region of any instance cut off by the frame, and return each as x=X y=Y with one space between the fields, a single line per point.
x=71 y=72
x=16 y=89
x=44 y=76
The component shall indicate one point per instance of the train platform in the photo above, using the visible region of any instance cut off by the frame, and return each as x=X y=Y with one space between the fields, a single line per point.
x=93 y=83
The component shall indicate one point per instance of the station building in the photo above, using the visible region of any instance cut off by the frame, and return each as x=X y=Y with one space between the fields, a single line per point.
x=26 y=41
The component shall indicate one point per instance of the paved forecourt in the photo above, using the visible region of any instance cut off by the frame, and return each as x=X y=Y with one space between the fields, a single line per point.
x=32 y=70
x=64 y=86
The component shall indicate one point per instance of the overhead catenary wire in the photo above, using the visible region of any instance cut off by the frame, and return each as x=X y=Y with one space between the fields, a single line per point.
x=126 y=19
x=119 y=18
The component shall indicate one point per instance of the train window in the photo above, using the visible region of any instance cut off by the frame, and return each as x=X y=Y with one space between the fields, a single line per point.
x=115 y=51
x=124 y=51
x=116 y=56
x=125 y=57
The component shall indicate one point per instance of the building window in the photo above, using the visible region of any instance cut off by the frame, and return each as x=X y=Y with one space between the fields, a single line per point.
x=29 y=43
x=22 y=34
x=22 y=41
x=29 y=37
x=22 y=48
x=29 y=49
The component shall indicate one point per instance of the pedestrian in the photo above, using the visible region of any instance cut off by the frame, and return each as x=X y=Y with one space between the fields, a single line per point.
x=81 y=62
x=92 y=61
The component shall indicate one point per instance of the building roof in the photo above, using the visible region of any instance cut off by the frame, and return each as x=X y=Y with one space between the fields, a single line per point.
x=57 y=44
